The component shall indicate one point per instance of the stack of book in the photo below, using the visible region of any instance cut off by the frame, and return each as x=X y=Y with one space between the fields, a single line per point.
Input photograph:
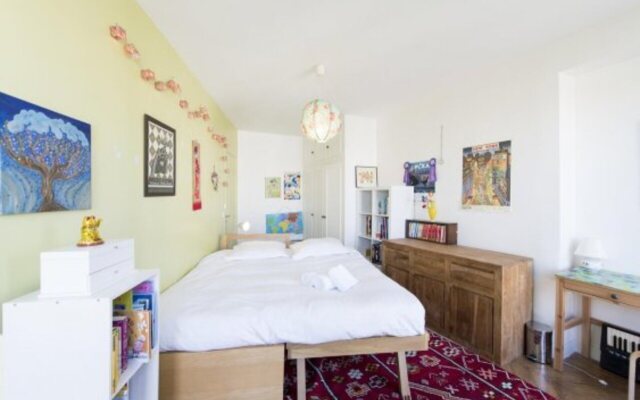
x=427 y=231
x=135 y=331
x=383 y=229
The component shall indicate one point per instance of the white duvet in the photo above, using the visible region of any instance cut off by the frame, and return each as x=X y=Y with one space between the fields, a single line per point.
x=223 y=304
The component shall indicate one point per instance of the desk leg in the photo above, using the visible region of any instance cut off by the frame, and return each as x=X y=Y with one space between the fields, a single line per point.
x=558 y=356
x=586 y=327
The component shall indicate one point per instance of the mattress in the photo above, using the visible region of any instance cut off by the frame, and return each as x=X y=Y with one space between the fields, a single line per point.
x=224 y=304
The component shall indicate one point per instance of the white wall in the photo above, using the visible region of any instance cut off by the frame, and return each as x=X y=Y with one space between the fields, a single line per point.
x=360 y=148
x=607 y=114
x=517 y=100
x=262 y=155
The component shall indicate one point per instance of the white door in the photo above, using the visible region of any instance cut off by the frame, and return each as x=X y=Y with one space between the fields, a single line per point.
x=320 y=219
x=310 y=193
x=333 y=200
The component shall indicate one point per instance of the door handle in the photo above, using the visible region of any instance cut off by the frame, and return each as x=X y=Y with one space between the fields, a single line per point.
x=324 y=217
x=313 y=215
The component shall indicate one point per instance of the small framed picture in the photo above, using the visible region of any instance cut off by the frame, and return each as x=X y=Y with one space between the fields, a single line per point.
x=159 y=158
x=366 y=177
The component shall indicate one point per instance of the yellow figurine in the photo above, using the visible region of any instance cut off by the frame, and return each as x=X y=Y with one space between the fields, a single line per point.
x=89 y=235
x=431 y=206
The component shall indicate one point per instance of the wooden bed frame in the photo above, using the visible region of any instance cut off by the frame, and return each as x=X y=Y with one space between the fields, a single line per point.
x=258 y=372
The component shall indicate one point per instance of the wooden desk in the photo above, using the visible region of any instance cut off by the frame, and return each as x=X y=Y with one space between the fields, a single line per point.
x=606 y=285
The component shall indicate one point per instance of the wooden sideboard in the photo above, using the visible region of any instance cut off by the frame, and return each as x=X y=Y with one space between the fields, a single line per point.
x=481 y=299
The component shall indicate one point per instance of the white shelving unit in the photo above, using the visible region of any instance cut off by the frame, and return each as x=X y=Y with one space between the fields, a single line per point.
x=381 y=214
x=59 y=348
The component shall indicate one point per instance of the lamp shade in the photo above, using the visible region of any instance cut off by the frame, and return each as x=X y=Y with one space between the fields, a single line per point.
x=321 y=120
x=591 y=248
x=244 y=226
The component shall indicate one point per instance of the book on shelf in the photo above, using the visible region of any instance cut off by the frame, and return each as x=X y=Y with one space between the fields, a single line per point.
x=436 y=232
x=124 y=301
x=139 y=329
x=120 y=322
x=368 y=225
x=116 y=353
x=375 y=258
x=144 y=298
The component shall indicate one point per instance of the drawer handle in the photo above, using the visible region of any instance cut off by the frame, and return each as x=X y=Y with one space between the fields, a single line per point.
x=615 y=296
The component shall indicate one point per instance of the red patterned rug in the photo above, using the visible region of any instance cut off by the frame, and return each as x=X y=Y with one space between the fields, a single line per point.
x=445 y=371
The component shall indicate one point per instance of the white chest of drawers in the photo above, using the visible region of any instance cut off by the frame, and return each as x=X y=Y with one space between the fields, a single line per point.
x=82 y=271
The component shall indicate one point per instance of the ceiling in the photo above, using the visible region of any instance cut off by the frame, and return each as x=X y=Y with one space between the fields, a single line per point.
x=256 y=58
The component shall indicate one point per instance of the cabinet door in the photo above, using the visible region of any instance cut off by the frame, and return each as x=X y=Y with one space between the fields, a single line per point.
x=471 y=319
x=309 y=194
x=332 y=213
x=431 y=293
x=399 y=275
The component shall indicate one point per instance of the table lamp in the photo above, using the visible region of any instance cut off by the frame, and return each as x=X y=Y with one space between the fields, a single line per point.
x=591 y=253
x=244 y=226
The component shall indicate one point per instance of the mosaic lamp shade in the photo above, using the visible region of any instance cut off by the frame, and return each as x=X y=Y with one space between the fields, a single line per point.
x=321 y=120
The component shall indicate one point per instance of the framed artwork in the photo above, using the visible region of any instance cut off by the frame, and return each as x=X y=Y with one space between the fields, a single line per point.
x=421 y=175
x=45 y=159
x=159 y=158
x=292 y=186
x=272 y=187
x=486 y=176
x=195 y=157
x=366 y=177
x=285 y=223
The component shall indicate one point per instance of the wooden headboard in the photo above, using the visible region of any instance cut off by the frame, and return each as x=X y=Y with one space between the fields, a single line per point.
x=228 y=240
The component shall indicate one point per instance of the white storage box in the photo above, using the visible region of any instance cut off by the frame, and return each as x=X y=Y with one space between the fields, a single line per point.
x=81 y=271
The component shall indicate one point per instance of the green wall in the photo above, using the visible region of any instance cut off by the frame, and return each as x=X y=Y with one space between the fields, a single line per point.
x=59 y=55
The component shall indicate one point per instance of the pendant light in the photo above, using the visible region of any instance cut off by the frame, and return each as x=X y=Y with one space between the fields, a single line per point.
x=321 y=120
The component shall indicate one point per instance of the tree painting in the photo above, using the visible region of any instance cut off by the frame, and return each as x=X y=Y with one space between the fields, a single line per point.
x=45 y=159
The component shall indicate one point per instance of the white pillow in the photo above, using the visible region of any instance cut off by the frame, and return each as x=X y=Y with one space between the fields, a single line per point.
x=259 y=245
x=318 y=248
x=257 y=250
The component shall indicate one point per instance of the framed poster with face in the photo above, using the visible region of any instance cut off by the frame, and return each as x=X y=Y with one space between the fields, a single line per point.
x=159 y=158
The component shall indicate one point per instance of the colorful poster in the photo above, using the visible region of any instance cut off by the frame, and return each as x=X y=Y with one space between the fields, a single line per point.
x=45 y=159
x=292 y=186
x=197 y=198
x=421 y=175
x=272 y=187
x=285 y=223
x=486 y=176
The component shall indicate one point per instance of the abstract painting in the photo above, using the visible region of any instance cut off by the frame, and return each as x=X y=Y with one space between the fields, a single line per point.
x=292 y=186
x=272 y=187
x=195 y=157
x=366 y=177
x=285 y=223
x=486 y=176
x=45 y=159
x=421 y=175
x=159 y=158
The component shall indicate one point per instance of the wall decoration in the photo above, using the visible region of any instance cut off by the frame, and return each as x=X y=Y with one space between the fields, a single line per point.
x=195 y=157
x=45 y=159
x=366 y=177
x=272 y=187
x=119 y=34
x=292 y=186
x=421 y=175
x=159 y=158
x=214 y=179
x=486 y=176
x=285 y=223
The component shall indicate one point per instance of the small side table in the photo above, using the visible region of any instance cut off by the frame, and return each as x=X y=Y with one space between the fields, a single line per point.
x=606 y=285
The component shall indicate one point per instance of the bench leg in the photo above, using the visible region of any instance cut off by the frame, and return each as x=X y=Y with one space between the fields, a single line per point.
x=302 y=377
x=632 y=374
x=405 y=392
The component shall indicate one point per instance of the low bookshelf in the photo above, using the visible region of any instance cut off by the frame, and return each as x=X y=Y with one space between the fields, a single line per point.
x=431 y=231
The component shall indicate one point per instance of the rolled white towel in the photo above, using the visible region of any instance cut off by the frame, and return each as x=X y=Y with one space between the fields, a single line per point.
x=317 y=281
x=342 y=278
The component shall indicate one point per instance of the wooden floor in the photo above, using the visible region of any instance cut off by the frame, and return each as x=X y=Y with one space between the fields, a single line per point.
x=572 y=383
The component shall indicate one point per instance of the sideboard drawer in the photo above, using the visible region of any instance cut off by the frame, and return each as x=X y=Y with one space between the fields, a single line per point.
x=473 y=278
x=396 y=258
x=428 y=264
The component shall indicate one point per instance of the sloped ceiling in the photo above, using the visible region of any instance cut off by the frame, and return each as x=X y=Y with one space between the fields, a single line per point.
x=256 y=58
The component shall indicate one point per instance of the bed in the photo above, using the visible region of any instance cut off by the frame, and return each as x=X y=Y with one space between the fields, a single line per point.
x=237 y=321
